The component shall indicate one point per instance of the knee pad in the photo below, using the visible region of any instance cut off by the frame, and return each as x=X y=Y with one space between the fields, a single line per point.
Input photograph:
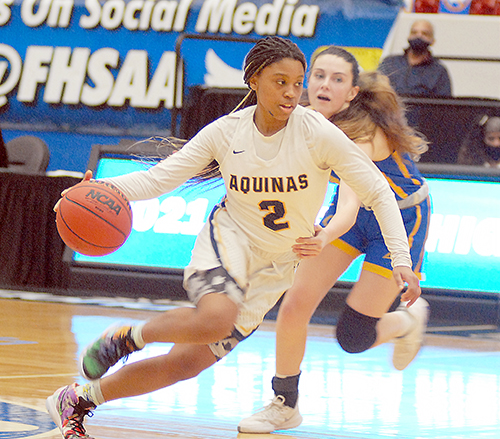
x=356 y=332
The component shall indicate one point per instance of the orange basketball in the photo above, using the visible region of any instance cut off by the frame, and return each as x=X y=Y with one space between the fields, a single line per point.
x=94 y=218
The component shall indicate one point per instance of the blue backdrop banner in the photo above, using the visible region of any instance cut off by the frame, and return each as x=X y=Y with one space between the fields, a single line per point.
x=101 y=66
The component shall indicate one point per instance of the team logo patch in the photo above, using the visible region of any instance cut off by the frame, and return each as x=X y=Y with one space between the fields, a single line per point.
x=21 y=421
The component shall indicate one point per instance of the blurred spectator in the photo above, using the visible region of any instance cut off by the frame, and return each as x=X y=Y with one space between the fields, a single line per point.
x=485 y=7
x=427 y=6
x=417 y=72
x=4 y=162
x=482 y=145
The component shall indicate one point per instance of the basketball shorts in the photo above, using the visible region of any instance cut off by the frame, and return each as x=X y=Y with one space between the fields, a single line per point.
x=365 y=237
x=255 y=279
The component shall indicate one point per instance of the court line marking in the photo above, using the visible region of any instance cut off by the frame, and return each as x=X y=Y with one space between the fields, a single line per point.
x=51 y=375
x=462 y=328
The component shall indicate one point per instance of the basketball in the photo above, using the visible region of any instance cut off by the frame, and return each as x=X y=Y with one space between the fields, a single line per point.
x=94 y=218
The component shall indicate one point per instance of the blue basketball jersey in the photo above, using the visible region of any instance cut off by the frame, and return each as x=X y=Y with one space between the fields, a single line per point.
x=365 y=236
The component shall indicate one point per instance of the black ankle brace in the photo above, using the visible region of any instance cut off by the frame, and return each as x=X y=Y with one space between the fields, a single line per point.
x=288 y=388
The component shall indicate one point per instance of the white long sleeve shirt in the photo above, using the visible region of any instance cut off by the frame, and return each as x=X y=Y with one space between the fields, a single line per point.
x=276 y=200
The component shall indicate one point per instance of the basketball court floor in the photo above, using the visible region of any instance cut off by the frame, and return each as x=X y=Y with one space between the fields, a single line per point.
x=451 y=390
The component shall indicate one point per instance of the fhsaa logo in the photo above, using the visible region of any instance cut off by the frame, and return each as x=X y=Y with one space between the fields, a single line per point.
x=19 y=421
x=10 y=64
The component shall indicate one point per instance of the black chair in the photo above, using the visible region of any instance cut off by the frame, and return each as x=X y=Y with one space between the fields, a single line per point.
x=27 y=154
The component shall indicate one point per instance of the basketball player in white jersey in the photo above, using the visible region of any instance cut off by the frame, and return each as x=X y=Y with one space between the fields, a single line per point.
x=275 y=159
x=368 y=110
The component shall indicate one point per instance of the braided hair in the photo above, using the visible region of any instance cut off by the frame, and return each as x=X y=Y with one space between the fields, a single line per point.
x=267 y=51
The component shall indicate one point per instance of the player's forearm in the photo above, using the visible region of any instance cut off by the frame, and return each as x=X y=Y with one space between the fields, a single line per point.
x=393 y=230
x=345 y=216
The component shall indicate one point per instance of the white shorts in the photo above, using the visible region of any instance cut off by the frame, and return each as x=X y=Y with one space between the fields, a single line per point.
x=262 y=277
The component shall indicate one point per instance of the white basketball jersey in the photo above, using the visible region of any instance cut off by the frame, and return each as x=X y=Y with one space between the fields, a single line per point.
x=275 y=201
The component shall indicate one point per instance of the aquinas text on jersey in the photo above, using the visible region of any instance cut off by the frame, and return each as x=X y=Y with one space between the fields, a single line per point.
x=268 y=184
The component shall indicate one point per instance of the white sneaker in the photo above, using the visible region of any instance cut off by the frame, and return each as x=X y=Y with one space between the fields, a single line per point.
x=275 y=416
x=407 y=346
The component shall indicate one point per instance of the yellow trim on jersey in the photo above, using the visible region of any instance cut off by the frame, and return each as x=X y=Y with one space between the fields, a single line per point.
x=245 y=332
x=404 y=170
x=421 y=256
x=416 y=227
x=382 y=271
x=377 y=269
x=346 y=248
x=334 y=179
x=397 y=189
x=406 y=174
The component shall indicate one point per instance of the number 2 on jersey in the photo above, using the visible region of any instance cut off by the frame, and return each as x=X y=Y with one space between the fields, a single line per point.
x=277 y=211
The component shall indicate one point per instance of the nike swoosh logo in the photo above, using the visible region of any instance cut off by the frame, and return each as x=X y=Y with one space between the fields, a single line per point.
x=238 y=152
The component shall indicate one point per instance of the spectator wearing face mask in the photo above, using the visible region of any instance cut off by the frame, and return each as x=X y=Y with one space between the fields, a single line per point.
x=417 y=72
x=481 y=147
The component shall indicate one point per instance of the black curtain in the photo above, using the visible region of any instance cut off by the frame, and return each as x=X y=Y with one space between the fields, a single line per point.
x=4 y=162
x=30 y=248
x=204 y=105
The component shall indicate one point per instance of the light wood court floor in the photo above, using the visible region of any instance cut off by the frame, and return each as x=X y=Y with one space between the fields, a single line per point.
x=452 y=389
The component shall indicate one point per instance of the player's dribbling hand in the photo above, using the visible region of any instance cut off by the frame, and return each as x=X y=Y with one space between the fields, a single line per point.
x=406 y=275
x=86 y=177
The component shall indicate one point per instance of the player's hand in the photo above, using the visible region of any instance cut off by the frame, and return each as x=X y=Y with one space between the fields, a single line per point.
x=86 y=177
x=311 y=246
x=406 y=275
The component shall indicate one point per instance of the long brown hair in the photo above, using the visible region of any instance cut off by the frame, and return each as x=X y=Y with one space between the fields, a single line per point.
x=377 y=105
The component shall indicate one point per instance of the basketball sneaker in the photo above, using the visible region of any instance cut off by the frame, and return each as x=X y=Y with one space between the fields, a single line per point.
x=407 y=346
x=275 y=416
x=68 y=410
x=114 y=344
